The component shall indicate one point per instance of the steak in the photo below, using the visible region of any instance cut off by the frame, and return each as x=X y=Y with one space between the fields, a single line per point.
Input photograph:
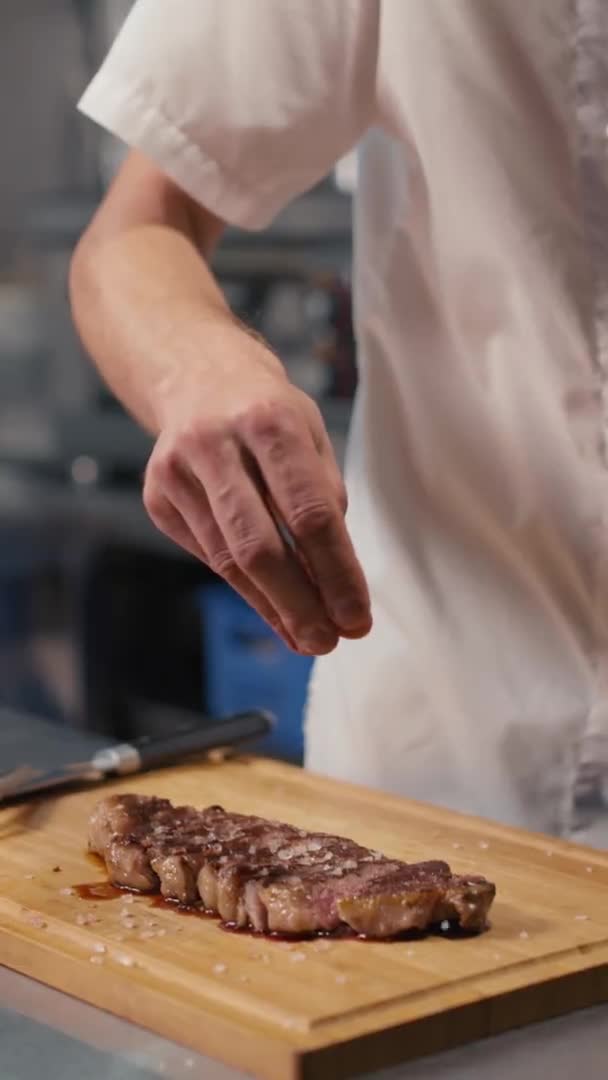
x=274 y=878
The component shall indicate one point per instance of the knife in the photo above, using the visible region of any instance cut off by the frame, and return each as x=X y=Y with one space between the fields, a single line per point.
x=148 y=752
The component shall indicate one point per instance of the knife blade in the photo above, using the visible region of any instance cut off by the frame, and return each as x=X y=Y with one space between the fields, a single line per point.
x=147 y=752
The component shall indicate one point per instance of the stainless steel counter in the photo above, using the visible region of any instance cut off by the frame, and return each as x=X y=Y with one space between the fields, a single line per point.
x=45 y=1035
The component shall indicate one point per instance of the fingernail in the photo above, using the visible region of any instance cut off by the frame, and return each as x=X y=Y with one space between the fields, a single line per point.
x=320 y=641
x=355 y=632
x=349 y=614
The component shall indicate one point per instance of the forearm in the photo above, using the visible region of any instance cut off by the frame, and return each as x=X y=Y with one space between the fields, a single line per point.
x=148 y=308
x=145 y=301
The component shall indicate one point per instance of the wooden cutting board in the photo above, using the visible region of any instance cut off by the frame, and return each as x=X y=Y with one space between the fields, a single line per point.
x=327 y=1010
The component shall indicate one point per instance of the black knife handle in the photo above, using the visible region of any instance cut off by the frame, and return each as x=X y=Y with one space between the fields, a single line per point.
x=158 y=750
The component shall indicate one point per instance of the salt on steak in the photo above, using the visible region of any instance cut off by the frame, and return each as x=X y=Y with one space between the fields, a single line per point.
x=274 y=878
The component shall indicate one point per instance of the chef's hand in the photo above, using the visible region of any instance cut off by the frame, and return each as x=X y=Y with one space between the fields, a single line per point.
x=234 y=457
x=238 y=447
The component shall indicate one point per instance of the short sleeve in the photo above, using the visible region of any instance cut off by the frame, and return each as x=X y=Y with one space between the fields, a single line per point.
x=244 y=103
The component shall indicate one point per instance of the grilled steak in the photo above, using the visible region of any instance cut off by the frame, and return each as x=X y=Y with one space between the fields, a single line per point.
x=273 y=877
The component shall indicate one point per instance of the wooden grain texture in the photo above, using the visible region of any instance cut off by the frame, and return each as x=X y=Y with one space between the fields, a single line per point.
x=322 y=1010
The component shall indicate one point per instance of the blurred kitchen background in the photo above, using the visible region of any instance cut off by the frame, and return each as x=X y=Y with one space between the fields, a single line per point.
x=103 y=623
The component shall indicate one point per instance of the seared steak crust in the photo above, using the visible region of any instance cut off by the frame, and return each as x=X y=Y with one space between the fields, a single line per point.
x=273 y=877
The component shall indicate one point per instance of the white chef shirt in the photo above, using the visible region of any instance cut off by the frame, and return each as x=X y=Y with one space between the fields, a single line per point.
x=477 y=464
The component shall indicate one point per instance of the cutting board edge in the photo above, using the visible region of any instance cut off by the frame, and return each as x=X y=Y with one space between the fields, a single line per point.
x=366 y=1052
x=517 y=975
x=233 y=1044
x=335 y=1050
x=545 y=975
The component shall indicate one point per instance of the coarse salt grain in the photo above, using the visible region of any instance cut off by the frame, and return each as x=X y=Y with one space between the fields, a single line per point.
x=484 y=845
x=445 y=926
x=36 y=920
x=29 y=877
x=260 y=956
x=219 y=969
x=83 y=920
x=99 y=948
x=524 y=935
x=589 y=869
x=95 y=959
x=68 y=891
x=581 y=918
x=126 y=961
